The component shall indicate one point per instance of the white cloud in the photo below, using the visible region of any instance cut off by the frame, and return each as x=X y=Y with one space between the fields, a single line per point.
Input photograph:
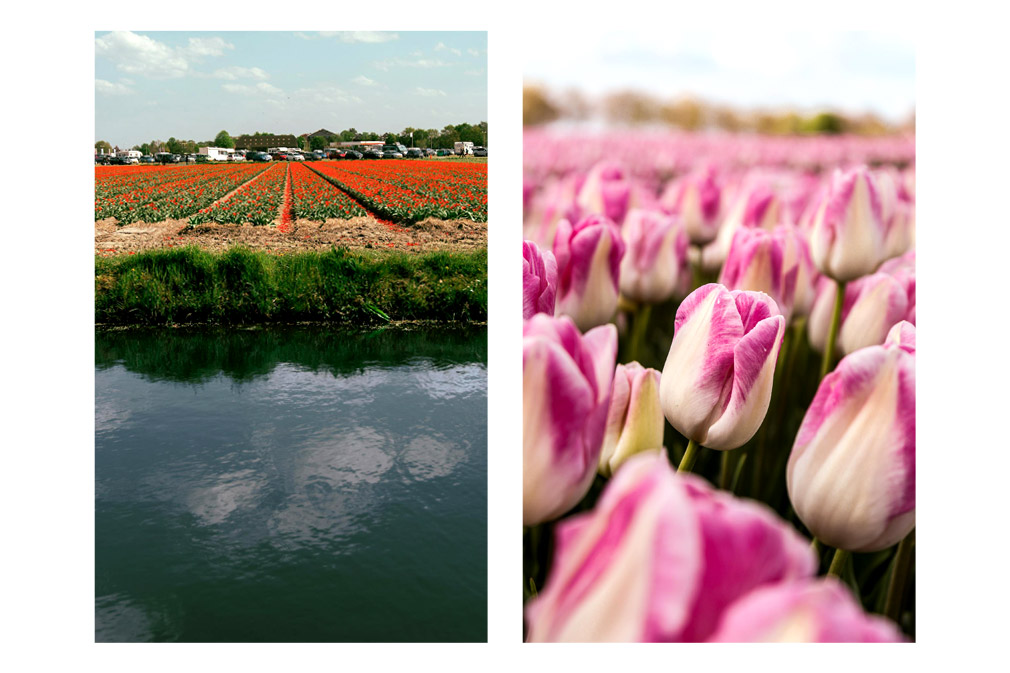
x=473 y=52
x=238 y=72
x=111 y=88
x=364 y=81
x=263 y=88
x=141 y=55
x=416 y=63
x=428 y=92
x=329 y=95
x=441 y=47
x=353 y=36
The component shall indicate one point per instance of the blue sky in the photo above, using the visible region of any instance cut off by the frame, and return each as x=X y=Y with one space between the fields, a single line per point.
x=190 y=85
x=845 y=70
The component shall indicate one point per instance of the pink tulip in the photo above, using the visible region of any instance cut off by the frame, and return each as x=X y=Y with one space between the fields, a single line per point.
x=806 y=611
x=606 y=191
x=717 y=380
x=851 y=473
x=635 y=421
x=656 y=256
x=757 y=207
x=776 y=263
x=540 y=280
x=659 y=559
x=903 y=336
x=697 y=199
x=589 y=260
x=847 y=234
x=567 y=383
x=872 y=305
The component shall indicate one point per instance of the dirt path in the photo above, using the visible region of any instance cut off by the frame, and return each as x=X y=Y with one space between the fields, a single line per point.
x=355 y=233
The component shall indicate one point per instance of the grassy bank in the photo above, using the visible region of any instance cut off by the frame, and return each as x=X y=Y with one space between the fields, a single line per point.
x=241 y=286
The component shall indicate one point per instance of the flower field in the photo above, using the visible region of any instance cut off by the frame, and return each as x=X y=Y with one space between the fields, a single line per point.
x=719 y=388
x=401 y=191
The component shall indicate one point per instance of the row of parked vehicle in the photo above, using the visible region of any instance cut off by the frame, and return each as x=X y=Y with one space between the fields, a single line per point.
x=385 y=152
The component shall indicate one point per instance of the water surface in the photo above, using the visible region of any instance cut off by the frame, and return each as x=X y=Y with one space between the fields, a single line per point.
x=291 y=485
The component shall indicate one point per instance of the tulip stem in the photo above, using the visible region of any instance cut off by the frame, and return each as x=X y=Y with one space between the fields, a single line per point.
x=899 y=577
x=836 y=318
x=838 y=563
x=638 y=329
x=690 y=455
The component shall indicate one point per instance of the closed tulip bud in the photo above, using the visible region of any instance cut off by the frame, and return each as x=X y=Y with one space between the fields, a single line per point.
x=656 y=256
x=635 y=420
x=776 y=263
x=589 y=261
x=697 y=199
x=606 y=192
x=717 y=380
x=848 y=230
x=821 y=611
x=903 y=336
x=659 y=559
x=567 y=382
x=872 y=305
x=757 y=207
x=540 y=280
x=851 y=473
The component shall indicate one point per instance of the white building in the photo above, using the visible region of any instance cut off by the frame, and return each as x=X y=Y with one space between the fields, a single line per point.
x=128 y=154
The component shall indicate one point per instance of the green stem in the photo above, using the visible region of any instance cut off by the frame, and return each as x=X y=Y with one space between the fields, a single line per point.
x=690 y=455
x=724 y=471
x=899 y=576
x=698 y=277
x=638 y=330
x=838 y=563
x=836 y=318
x=815 y=544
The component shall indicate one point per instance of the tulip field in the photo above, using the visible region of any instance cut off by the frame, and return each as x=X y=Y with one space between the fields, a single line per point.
x=718 y=388
x=398 y=191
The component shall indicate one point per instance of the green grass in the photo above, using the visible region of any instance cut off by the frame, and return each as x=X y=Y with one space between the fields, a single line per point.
x=241 y=286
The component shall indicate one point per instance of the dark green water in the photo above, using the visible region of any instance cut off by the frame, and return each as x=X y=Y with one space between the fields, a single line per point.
x=291 y=485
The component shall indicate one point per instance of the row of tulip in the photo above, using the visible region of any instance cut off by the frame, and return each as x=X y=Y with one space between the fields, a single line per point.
x=395 y=192
x=643 y=332
x=316 y=199
x=257 y=202
x=173 y=199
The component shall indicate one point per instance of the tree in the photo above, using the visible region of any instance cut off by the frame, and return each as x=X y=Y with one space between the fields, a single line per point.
x=318 y=143
x=145 y=149
x=174 y=146
x=222 y=139
x=103 y=147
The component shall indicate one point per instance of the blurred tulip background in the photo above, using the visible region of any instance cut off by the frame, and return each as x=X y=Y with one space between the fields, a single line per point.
x=753 y=475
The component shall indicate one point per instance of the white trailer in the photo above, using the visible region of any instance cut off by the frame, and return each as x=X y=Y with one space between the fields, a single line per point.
x=464 y=148
x=216 y=153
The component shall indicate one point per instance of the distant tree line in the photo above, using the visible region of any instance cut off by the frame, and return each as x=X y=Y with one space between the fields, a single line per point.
x=410 y=136
x=634 y=107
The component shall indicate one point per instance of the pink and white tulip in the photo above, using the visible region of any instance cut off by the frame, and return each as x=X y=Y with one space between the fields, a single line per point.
x=540 y=280
x=717 y=380
x=851 y=473
x=589 y=257
x=821 y=611
x=848 y=231
x=871 y=306
x=659 y=559
x=757 y=207
x=776 y=263
x=607 y=191
x=697 y=200
x=567 y=383
x=903 y=336
x=655 y=260
x=635 y=421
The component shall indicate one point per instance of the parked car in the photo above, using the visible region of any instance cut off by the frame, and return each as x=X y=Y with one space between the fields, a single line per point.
x=295 y=157
x=414 y=153
x=258 y=156
x=372 y=154
x=480 y=151
x=429 y=152
x=443 y=153
x=351 y=154
x=391 y=155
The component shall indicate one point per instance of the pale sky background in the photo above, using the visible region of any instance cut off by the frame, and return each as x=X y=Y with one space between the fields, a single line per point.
x=191 y=85
x=846 y=71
